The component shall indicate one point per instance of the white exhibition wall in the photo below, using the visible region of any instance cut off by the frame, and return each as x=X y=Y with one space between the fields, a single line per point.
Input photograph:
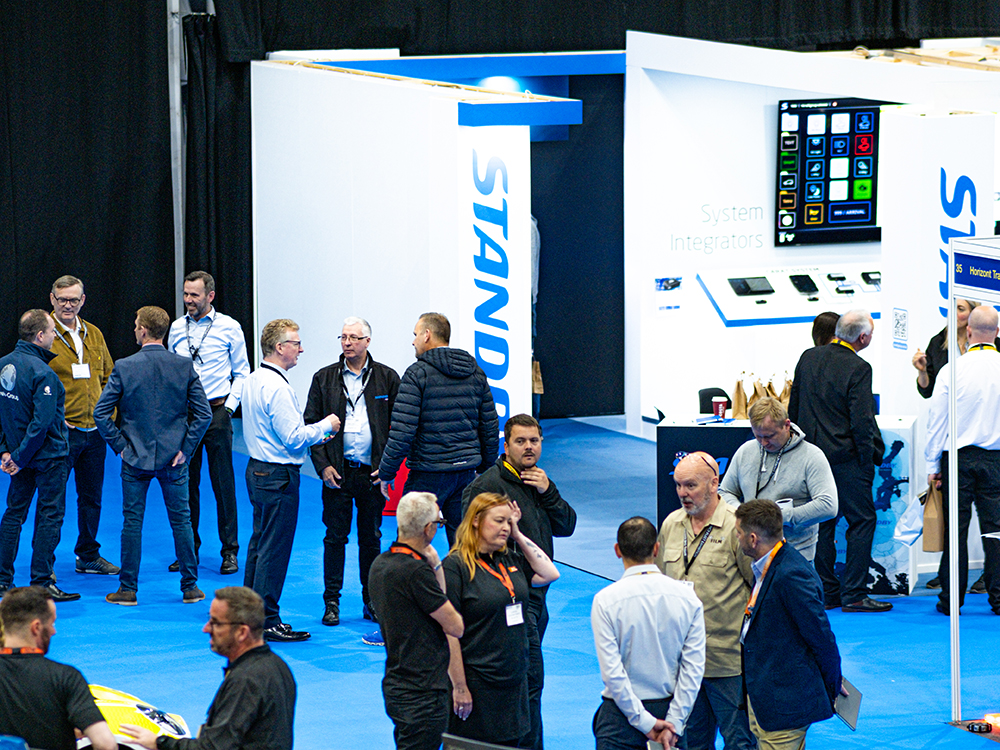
x=371 y=200
x=700 y=156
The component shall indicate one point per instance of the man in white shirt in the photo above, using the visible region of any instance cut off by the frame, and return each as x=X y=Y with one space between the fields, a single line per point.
x=218 y=349
x=977 y=379
x=278 y=441
x=649 y=631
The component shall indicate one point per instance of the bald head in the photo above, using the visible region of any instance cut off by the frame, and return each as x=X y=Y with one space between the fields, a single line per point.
x=982 y=325
x=696 y=478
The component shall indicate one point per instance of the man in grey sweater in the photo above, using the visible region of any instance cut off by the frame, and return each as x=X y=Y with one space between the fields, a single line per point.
x=780 y=465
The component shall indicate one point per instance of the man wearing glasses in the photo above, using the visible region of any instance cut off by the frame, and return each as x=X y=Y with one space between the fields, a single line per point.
x=255 y=704
x=408 y=588
x=698 y=543
x=278 y=442
x=361 y=392
x=83 y=364
x=215 y=343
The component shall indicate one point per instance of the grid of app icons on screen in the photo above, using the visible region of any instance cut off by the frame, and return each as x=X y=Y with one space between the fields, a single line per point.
x=827 y=171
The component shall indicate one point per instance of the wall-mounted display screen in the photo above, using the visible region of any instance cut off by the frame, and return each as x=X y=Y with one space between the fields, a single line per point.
x=827 y=171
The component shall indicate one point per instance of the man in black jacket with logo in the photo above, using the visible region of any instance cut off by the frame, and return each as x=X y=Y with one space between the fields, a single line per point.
x=444 y=421
x=361 y=392
x=544 y=514
x=33 y=450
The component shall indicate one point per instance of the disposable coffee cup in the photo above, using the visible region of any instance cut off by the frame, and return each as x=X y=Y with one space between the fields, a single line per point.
x=719 y=406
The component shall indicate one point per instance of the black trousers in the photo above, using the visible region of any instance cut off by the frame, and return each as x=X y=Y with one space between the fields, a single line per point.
x=87 y=451
x=854 y=493
x=613 y=732
x=356 y=488
x=419 y=717
x=979 y=484
x=218 y=443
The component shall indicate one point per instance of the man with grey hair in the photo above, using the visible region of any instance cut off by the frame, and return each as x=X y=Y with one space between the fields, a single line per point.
x=977 y=390
x=215 y=344
x=278 y=442
x=778 y=464
x=362 y=393
x=832 y=402
x=408 y=589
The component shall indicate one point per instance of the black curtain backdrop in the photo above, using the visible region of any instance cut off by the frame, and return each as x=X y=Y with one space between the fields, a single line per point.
x=85 y=161
x=577 y=195
x=217 y=212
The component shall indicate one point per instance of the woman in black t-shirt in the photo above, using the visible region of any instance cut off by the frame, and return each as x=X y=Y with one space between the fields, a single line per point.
x=488 y=584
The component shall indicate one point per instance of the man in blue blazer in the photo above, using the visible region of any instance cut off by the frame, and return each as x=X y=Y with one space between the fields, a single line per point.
x=791 y=665
x=164 y=414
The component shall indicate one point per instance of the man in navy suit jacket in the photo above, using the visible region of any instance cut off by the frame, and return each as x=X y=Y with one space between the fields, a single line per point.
x=791 y=665
x=164 y=414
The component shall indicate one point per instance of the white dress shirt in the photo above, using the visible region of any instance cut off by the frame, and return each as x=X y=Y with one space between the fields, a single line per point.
x=649 y=631
x=221 y=351
x=357 y=431
x=272 y=420
x=978 y=393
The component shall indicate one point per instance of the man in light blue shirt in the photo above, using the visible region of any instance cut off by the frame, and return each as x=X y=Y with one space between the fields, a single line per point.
x=215 y=343
x=278 y=442
x=649 y=631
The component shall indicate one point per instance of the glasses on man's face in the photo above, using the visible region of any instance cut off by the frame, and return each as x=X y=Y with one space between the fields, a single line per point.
x=296 y=342
x=213 y=623
x=68 y=301
x=681 y=455
x=352 y=338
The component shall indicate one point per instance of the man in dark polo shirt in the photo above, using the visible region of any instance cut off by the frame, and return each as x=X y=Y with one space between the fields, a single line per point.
x=42 y=701
x=254 y=708
x=408 y=590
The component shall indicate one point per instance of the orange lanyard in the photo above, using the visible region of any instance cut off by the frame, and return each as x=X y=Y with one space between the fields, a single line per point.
x=405 y=551
x=504 y=578
x=25 y=650
x=756 y=589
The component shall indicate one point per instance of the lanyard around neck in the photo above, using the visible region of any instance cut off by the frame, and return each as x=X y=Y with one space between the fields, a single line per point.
x=756 y=589
x=502 y=576
x=689 y=563
x=774 y=469
x=982 y=347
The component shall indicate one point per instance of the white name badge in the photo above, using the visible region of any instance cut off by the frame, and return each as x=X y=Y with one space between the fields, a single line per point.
x=514 y=615
x=352 y=423
x=81 y=372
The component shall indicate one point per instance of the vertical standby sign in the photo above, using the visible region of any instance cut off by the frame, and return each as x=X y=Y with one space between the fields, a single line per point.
x=496 y=271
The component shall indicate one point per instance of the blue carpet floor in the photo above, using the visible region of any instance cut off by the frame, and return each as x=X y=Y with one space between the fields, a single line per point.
x=157 y=651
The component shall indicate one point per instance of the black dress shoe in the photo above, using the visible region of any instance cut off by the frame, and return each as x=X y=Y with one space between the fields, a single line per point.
x=175 y=566
x=943 y=608
x=979 y=587
x=229 y=564
x=934 y=583
x=866 y=605
x=58 y=595
x=332 y=614
x=283 y=633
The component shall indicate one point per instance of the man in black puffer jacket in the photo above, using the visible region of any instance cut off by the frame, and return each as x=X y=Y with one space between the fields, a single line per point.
x=444 y=421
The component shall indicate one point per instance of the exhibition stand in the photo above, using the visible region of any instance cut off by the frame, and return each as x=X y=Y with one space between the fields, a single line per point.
x=388 y=197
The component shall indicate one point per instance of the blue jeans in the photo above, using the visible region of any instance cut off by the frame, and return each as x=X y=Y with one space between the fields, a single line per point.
x=447 y=486
x=174 y=484
x=87 y=451
x=717 y=707
x=274 y=495
x=49 y=476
